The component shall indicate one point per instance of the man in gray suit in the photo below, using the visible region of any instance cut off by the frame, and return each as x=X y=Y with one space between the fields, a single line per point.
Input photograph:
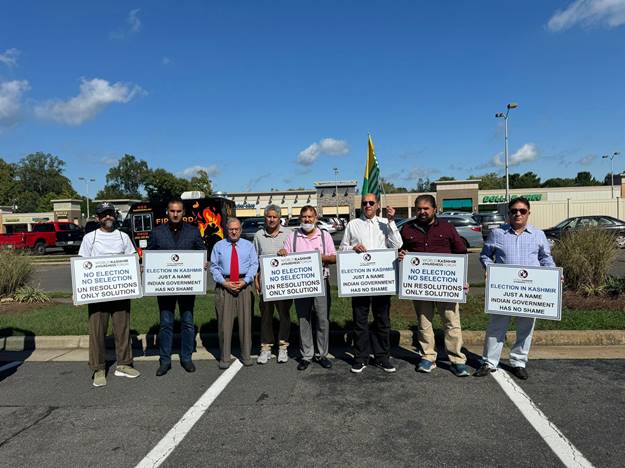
x=176 y=235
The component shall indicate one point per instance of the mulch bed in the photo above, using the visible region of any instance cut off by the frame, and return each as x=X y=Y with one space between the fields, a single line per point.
x=574 y=301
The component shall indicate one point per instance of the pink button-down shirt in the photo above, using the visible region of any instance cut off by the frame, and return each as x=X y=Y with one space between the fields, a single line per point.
x=306 y=244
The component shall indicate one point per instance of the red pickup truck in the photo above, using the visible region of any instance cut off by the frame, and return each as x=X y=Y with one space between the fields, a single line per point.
x=62 y=234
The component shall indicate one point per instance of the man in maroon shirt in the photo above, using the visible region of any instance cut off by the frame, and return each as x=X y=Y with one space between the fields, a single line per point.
x=431 y=235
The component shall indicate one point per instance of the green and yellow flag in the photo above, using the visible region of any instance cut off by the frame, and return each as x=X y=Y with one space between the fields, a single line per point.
x=371 y=183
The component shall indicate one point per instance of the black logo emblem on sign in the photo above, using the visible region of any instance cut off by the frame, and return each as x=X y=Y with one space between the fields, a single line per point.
x=366 y=257
x=274 y=262
x=523 y=274
x=415 y=261
x=175 y=257
x=87 y=265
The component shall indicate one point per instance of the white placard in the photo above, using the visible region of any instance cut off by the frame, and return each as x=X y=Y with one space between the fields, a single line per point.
x=174 y=272
x=524 y=291
x=101 y=279
x=371 y=273
x=295 y=275
x=433 y=277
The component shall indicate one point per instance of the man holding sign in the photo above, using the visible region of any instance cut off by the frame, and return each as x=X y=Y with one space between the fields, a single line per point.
x=517 y=243
x=108 y=241
x=370 y=232
x=309 y=238
x=429 y=234
x=175 y=235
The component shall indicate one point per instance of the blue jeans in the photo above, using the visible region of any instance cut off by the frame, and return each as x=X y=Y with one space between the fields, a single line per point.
x=167 y=307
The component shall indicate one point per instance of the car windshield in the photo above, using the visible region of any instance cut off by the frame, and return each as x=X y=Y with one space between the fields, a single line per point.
x=562 y=224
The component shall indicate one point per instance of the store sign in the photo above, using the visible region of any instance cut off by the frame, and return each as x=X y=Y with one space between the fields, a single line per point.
x=244 y=206
x=502 y=198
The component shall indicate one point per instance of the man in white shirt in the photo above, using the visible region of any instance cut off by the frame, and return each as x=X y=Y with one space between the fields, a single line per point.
x=370 y=232
x=107 y=240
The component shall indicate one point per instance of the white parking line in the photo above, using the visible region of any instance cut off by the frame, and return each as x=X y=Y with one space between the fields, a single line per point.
x=561 y=446
x=177 y=433
x=10 y=365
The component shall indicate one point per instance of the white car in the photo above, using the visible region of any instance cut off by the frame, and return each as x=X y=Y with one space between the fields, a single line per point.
x=324 y=224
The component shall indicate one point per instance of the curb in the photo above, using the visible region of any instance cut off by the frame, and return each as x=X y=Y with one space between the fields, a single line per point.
x=404 y=338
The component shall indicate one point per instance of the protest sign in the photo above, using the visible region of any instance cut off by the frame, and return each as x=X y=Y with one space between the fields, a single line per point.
x=288 y=277
x=174 y=272
x=433 y=277
x=524 y=291
x=109 y=278
x=371 y=273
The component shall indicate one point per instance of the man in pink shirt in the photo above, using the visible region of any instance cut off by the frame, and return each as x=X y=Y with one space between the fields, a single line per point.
x=308 y=237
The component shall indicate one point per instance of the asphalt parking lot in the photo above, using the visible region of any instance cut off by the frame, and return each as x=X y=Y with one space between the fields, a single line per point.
x=274 y=415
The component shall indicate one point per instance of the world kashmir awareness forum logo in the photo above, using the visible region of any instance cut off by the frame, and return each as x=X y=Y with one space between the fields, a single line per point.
x=415 y=261
x=87 y=265
x=366 y=257
x=523 y=274
x=175 y=257
x=274 y=262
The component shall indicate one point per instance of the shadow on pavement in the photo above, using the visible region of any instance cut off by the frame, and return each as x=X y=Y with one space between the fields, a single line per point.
x=18 y=341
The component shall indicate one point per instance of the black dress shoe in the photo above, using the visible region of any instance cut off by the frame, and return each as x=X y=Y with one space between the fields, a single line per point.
x=483 y=371
x=323 y=362
x=188 y=366
x=303 y=364
x=162 y=369
x=520 y=373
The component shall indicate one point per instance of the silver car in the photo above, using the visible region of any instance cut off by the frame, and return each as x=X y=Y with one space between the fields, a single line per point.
x=468 y=229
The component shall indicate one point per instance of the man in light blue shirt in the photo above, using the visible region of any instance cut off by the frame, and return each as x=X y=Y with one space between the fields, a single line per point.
x=517 y=243
x=234 y=263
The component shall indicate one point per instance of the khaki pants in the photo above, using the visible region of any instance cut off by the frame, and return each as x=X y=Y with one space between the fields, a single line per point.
x=99 y=314
x=228 y=307
x=450 y=315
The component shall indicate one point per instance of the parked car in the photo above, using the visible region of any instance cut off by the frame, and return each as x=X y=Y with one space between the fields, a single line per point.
x=250 y=226
x=64 y=234
x=489 y=221
x=327 y=223
x=607 y=223
x=468 y=229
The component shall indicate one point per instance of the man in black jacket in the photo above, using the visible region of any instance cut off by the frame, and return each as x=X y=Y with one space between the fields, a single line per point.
x=176 y=235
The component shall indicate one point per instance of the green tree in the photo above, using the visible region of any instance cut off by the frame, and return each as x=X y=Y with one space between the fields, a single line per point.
x=8 y=183
x=201 y=182
x=110 y=192
x=585 y=179
x=444 y=178
x=389 y=187
x=424 y=184
x=161 y=186
x=558 y=182
x=490 y=181
x=527 y=180
x=42 y=174
x=127 y=177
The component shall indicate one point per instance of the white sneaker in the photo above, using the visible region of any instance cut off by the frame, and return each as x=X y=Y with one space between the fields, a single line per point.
x=264 y=357
x=283 y=355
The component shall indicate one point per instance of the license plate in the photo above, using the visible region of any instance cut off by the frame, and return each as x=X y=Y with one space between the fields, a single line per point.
x=492 y=226
x=70 y=242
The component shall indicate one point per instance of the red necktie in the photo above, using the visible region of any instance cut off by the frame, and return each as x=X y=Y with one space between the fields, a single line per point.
x=234 y=265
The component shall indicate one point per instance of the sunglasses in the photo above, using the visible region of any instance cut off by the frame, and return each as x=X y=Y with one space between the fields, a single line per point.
x=368 y=203
x=522 y=211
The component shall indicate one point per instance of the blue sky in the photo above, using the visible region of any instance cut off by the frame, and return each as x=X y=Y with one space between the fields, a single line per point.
x=275 y=94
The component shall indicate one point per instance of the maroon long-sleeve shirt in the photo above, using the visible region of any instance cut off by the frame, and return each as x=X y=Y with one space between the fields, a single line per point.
x=440 y=237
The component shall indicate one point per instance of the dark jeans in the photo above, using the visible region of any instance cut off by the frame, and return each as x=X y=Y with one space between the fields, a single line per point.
x=375 y=338
x=167 y=307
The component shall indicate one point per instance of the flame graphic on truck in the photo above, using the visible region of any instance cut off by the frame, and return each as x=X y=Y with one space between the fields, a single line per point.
x=211 y=221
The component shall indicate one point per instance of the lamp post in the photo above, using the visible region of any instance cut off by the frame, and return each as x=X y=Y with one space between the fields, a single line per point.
x=501 y=115
x=336 y=189
x=86 y=181
x=611 y=157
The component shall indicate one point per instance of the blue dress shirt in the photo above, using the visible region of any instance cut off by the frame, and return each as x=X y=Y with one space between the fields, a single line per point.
x=220 y=260
x=530 y=248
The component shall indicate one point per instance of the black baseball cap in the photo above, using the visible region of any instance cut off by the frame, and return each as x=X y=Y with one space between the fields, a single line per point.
x=105 y=207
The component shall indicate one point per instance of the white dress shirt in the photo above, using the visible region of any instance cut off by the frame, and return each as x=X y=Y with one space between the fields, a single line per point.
x=374 y=233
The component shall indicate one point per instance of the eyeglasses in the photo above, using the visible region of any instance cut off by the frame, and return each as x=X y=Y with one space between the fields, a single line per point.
x=522 y=211
x=368 y=203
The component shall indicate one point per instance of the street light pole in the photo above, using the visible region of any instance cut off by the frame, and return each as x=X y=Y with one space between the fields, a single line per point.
x=611 y=157
x=501 y=115
x=336 y=190
x=86 y=181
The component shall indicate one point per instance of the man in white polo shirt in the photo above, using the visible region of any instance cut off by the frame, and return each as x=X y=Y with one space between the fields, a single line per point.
x=107 y=240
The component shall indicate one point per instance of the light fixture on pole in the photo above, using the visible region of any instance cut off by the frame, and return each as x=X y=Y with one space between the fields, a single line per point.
x=501 y=115
x=86 y=181
x=611 y=157
x=336 y=189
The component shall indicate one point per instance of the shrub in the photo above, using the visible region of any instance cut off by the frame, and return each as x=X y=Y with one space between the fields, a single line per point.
x=31 y=295
x=615 y=286
x=586 y=256
x=15 y=271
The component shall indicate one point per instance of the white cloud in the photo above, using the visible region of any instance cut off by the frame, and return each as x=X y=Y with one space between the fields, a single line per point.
x=109 y=161
x=587 y=13
x=328 y=146
x=189 y=172
x=94 y=96
x=9 y=57
x=528 y=152
x=166 y=61
x=133 y=25
x=587 y=160
x=11 y=101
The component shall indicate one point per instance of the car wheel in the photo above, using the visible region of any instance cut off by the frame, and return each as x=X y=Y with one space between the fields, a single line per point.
x=40 y=248
x=620 y=241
